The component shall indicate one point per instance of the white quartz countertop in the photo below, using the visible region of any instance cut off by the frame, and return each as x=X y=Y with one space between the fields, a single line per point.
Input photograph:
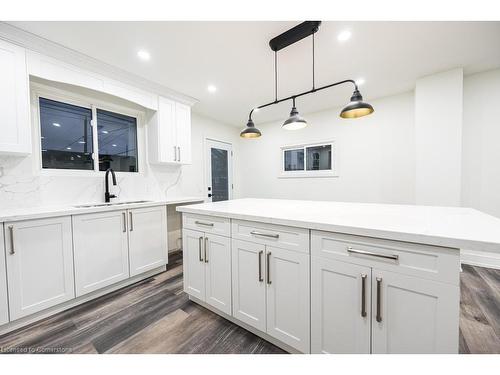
x=16 y=214
x=456 y=227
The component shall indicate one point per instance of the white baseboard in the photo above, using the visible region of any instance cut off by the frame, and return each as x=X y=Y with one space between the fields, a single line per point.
x=482 y=259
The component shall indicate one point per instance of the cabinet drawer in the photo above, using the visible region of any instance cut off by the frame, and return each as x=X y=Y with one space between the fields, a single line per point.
x=270 y=234
x=207 y=224
x=430 y=262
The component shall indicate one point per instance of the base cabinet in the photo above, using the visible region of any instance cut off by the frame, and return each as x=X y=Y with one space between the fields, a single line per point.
x=207 y=268
x=101 y=250
x=4 y=306
x=340 y=307
x=402 y=314
x=271 y=291
x=249 y=286
x=39 y=264
x=288 y=301
x=413 y=315
x=147 y=239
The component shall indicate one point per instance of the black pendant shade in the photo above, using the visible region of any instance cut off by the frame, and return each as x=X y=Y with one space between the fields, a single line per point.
x=250 y=131
x=357 y=107
x=295 y=121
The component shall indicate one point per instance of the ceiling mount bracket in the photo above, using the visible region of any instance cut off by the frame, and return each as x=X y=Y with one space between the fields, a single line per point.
x=293 y=35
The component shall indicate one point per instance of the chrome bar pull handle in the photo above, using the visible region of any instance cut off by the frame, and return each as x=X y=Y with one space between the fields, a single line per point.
x=260 y=266
x=202 y=223
x=179 y=148
x=379 y=314
x=175 y=153
x=351 y=250
x=200 y=257
x=271 y=235
x=124 y=222
x=268 y=268
x=206 y=251
x=131 y=221
x=11 y=232
x=363 y=295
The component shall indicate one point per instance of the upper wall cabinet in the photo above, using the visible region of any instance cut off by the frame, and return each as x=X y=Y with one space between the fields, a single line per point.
x=170 y=133
x=15 y=130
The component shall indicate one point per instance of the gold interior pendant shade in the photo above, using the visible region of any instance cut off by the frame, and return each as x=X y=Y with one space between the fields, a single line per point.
x=357 y=107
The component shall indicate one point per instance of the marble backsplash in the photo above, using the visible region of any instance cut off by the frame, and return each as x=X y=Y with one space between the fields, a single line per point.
x=22 y=185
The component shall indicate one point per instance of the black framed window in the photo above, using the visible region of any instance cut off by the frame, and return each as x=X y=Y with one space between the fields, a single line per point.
x=66 y=135
x=67 y=139
x=117 y=139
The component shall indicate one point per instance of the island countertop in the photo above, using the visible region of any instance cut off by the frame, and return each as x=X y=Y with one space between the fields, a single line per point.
x=454 y=227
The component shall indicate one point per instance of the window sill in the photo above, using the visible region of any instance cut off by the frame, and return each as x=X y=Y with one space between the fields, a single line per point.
x=308 y=174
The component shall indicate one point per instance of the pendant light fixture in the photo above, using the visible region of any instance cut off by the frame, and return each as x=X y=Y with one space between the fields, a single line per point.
x=355 y=109
x=295 y=121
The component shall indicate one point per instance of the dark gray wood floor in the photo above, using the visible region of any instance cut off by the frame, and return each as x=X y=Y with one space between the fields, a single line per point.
x=155 y=316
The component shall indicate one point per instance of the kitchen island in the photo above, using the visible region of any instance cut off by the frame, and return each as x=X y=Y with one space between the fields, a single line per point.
x=334 y=277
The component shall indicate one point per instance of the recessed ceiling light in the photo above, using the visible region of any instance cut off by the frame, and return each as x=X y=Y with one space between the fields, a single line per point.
x=143 y=55
x=344 y=35
x=113 y=145
x=211 y=89
x=44 y=150
x=104 y=132
x=56 y=124
x=81 y=142
x=68 y=148
x=360 y=81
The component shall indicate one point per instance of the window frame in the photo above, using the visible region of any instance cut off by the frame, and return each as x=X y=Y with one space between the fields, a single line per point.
x=39 y=90
x=311 y=173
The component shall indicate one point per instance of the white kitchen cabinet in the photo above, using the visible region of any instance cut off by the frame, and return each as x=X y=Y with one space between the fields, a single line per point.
x=413 y=315
x=101 y=250
x=183 y=132
x=147 y=238
x=217 y=259
x=340 y=307
x=249 y=287
x=271 y=291
x=193 y=263
x=14 y=101
x=207 y=268
x=169 y=133
x=4 y=306
x=39 y=264
x=288 y=297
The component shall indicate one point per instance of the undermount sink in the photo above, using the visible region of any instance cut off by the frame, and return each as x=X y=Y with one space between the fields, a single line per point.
x=108 y=204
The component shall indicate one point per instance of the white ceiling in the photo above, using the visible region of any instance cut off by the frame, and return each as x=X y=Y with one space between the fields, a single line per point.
x=236 y=58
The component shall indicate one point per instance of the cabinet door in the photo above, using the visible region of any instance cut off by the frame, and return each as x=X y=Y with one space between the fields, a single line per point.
x=288 y=303
x=413 y=315
x=39 y=264
x=217 y=258
x=167 y=135
x=101 y=250
x=249 y=288
x=147 y=239
x=14 y=101
x=4 y=307
x=183 y=128
x=340 y=307
x=193 y=263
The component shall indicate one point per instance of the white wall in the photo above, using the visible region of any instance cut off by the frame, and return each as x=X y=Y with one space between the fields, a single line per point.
x=438 y=138
x=375 y=154
x=481 y=142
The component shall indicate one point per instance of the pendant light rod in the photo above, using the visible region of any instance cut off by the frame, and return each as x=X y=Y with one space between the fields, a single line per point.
x=293 y=97
x=313 y=59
